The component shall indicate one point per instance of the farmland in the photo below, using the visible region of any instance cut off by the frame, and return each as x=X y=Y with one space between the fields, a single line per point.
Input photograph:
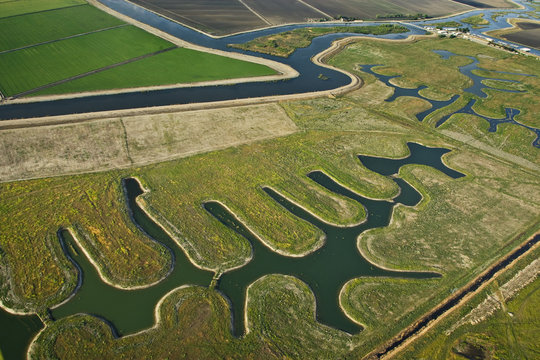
x=213 y=17
x=488 y=3
x=42 y=49
x=371 y=8
x=226 y=17
x=52 y=25
x=165 y=68
x=284 y=44
x=14 y=8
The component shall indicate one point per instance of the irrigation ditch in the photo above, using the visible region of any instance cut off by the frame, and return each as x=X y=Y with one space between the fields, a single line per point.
x=455 y=300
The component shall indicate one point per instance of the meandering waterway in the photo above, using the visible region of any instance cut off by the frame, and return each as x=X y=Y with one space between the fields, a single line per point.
x=325 y=270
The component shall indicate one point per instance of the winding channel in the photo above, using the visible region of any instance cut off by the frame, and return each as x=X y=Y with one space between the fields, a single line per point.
x=325 y=270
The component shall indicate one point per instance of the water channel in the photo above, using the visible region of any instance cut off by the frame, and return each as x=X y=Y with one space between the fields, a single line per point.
x=325 y=270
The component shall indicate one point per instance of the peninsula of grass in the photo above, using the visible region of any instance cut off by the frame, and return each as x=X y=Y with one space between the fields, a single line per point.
x=477 y=21
x=30 y=68
x=180 y=65
x=46 y=48
x=446 y=24
x=52 y=25
x=14 y=8
x=284 y=44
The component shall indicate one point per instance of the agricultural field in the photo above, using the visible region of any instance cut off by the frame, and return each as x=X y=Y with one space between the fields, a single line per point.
x=167 y=68
x=284 y=44
x=488 y=3
x=226 y=17
x=371 y=8
x=14 y=8
x=477 y=21
x=42 y=49
x=522 y=32
x=52 y=25
x=210 y=16
x=49 y=63
x=273 y=11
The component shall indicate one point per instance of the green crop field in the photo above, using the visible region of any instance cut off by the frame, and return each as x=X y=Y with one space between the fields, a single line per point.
x=12 y=8
x=476 y=21
x=177 y=66
x=60 y=60
x=52 y=25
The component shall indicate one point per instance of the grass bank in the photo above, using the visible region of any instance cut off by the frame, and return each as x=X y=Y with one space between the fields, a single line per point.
x=284 y=44
x=477 y=21
x=459 y=229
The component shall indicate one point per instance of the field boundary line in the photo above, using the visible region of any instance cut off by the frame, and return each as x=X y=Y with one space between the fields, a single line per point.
x=316 y=9
x=255 y=13
x=64 y=38
x=46 y=86
x=42 y=11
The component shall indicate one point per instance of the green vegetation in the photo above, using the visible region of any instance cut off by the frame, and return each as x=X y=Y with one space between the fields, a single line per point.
x=284 y=44
x=48 y=63
x=52 y=25
x=12 y=8
x=47 y=48
x=476 y=21
x=94 y=207
x=177 y=66
x=509 y=333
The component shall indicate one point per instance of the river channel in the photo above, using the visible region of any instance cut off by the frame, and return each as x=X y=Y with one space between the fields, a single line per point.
x=325 y=270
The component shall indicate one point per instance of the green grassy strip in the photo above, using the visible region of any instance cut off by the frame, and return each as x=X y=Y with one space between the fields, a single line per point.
x=284 y=44
x=36 y=28
x=37 y=66
x=31 y=6
x=173 y=67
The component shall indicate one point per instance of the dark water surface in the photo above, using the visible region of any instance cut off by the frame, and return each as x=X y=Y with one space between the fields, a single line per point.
x=326 y=270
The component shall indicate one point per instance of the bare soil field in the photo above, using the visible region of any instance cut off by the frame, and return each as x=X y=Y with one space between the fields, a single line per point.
x=488 y=3
x=369 y=9
x=120 y=142
x=216 y=17
x=222 y=17
x=284 y=11
x=528 y=34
